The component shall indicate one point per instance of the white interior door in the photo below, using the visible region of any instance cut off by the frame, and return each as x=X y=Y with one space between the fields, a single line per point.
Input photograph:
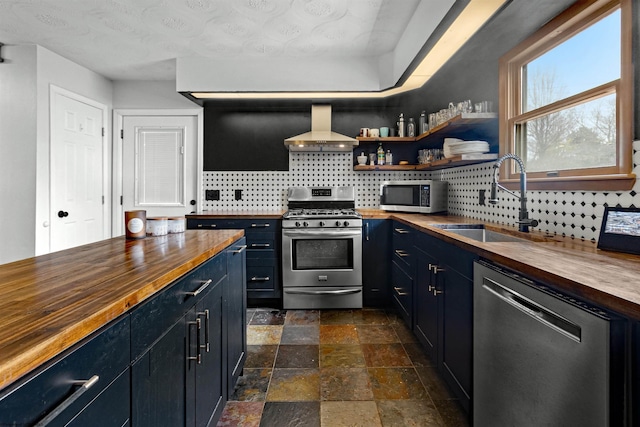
x=77 y=195
x=159 y=161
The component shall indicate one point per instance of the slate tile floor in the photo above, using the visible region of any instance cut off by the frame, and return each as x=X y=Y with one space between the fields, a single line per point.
x=333 y=368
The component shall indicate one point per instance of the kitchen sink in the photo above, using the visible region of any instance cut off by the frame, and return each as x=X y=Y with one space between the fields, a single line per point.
x=479 y=232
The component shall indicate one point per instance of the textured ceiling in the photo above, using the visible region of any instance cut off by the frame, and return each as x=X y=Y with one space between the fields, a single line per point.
x=140 y=39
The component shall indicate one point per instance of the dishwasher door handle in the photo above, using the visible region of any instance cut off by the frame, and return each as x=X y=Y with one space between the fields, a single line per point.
x=544 y=315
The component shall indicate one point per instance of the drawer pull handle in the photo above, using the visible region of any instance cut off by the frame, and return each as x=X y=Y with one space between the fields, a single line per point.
x=260 y=279
x=260 y=225
x=261 y=245
x=200 y=289
x=207 y=225
x=401 y=253
x=84 y=386
x=401 y=231
x=398 y=291
x=240 y=249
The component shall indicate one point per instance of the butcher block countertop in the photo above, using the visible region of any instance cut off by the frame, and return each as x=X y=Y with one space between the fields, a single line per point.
x=608 y=279
x=51 y=302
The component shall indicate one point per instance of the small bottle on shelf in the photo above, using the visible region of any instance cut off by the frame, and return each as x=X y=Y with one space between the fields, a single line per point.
x=389 y=158
x=401 y=129
x=380 y=155
x=411 y=128
x=422 y=123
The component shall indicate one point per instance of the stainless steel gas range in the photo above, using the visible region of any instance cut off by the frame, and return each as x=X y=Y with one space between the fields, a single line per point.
x=321 y=249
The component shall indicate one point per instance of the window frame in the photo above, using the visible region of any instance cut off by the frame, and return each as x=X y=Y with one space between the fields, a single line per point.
x=570 y=22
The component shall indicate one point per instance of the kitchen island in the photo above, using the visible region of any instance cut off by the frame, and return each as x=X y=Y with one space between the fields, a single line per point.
x=55 y=305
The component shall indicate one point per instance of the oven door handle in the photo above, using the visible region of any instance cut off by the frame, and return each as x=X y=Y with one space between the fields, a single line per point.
x=325 y=292
x=322 y=234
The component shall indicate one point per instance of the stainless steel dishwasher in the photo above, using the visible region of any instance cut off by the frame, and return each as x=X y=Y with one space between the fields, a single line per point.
x=542 y=358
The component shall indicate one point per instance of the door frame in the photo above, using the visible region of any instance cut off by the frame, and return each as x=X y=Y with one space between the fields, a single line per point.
x=106 y=207
x=118 y=120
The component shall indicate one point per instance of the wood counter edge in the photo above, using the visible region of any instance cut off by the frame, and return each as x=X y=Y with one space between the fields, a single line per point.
x=53 y=346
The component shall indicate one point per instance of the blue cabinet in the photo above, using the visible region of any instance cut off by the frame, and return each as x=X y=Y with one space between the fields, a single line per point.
x=402 y=269
x=443 y=320
x=190 y=344
x=178 y=372
x=88 y=382
x=263 y=252
x=376 y=241
x=235 y=314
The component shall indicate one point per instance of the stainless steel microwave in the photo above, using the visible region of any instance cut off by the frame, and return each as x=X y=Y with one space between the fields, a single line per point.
x=424 y=196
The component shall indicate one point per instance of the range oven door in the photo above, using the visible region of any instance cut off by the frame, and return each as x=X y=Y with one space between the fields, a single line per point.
x=322 y=268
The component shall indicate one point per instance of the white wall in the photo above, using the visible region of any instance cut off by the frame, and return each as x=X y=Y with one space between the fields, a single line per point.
x=53 y=69
x=17 y=152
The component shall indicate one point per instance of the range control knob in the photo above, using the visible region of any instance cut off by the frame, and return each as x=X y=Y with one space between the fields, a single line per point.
x=305 y=224
x=338 y=223
x=346 y=223
x=297 y=224
x=322 y=223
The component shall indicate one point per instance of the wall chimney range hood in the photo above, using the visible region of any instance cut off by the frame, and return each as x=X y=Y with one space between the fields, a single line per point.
x=320 y=138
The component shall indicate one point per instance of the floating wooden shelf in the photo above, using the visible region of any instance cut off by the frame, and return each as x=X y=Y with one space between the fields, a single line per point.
x=384 y=167
x=461 y=120
x=462 y=160
x=387 y=139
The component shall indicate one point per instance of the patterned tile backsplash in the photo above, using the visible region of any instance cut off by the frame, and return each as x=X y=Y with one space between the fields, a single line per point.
x=572 y=213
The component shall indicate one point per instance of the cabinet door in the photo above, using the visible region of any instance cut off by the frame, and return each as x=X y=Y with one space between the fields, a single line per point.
x=158 y=380
x=375 y=262
x=457 y=327
x=209 y=375
x=235 y=314
x=427 y=307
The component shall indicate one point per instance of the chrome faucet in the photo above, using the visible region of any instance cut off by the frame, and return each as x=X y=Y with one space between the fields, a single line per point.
x=524 y=222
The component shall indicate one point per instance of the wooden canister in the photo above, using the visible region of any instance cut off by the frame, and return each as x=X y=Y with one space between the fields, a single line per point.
x=135 y=224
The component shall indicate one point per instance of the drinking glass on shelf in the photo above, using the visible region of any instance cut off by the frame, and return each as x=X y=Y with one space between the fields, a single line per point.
x=432 y=120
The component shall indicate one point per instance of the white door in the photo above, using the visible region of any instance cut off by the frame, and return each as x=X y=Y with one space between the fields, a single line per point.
x=77 y=195
x=159 y=161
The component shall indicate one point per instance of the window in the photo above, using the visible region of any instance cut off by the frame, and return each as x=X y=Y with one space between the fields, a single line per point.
x=565 y=100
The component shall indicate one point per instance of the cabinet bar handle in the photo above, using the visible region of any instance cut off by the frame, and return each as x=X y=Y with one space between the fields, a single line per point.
x=401 y=253
x=198 y=356
x=260 y=279
x=206 y=345
x=261 y=245
x=207 y=225
x=84 y=386
x=260 y=225
x=401 y=230
x=200 y=289
x=366 y=231
x=241 y=248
